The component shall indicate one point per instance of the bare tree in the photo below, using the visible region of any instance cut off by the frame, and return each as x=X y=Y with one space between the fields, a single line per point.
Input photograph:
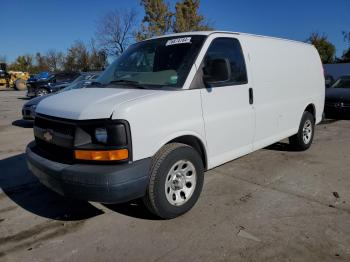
x=115 y=31
x=54 y=60
x=346 y=36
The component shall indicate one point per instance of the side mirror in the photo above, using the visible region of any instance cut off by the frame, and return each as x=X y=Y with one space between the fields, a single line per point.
x=217 y=71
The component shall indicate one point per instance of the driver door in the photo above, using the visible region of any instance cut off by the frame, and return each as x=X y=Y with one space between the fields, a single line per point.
x=227 y=106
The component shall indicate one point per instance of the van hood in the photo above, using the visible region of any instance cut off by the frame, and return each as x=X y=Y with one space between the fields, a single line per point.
x=89 y=103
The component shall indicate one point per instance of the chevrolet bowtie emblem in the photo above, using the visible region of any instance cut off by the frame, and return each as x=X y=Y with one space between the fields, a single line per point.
x=48 y=135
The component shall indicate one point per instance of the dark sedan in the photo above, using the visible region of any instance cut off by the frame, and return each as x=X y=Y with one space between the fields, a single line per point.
x=52 y=83
x=337 y=102
x=28 y=110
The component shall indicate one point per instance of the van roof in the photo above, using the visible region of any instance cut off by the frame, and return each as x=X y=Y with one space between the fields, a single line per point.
x=228 y=32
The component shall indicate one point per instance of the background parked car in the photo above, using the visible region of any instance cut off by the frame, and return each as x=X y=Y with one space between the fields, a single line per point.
x=329 y=80
x=28 y=109
x=337 y=101
x=52 y=83
x=84 y=78
x=42 y=75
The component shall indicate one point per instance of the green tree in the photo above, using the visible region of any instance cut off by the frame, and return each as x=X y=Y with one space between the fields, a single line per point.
x=98 y=58
x=324 y=47
x=22 y=63
x=77 y=58
x=157 y=20
x=41 y=62
x=187 y=17
x=346 y=56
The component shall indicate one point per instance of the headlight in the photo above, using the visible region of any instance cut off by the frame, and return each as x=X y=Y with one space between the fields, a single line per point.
x=101 y=135
x=104 y=140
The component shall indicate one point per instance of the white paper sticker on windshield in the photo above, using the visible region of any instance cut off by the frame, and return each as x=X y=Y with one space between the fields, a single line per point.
x=176 y=41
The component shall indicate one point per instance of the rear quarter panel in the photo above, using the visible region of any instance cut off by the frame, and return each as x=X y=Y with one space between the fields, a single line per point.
x=286 y=77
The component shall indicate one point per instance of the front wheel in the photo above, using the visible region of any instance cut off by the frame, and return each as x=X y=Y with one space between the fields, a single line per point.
x=42 y=92
x=303 y=139
x=176 y=181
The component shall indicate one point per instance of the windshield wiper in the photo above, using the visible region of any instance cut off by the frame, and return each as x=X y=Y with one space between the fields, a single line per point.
x=130 y=82
x=95 y=84
x=124 y=81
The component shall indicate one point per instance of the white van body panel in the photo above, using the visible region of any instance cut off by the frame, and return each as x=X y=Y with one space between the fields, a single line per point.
x=227 y=114
x=286 y=77
x=89 y=103
x=156 y=120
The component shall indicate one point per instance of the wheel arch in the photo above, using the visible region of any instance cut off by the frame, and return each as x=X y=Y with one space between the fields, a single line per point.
x=193 y=141
x=311 y=109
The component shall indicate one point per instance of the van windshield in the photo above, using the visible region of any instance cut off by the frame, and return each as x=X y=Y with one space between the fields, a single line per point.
x=156 y=62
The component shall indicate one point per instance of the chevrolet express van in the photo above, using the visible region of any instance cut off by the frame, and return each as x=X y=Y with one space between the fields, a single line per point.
x=170 y=108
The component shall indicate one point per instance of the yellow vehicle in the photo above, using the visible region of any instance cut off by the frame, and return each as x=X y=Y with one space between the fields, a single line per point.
x=4 y=76
x=15 y=79
x=18 y=79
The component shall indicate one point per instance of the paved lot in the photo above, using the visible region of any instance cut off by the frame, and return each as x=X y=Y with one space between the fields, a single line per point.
x=272 y=205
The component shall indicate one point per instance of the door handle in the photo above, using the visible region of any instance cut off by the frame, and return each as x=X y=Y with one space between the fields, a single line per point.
x=251 y=96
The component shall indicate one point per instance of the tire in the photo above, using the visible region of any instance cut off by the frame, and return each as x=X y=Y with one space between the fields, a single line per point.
x=174 y=191
x=20 y=85
x=303 y=139
x=42 y=92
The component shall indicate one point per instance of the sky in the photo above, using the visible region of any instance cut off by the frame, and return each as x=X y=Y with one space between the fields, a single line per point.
x=34 y=26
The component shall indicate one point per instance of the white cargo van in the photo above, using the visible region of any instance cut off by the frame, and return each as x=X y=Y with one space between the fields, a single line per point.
x=171 y=108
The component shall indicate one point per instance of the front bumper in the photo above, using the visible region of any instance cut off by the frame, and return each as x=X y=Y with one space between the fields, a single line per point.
x=97 y=183
x=28 y=113
x=338 y=110
x=30 y=90
x=31 y=94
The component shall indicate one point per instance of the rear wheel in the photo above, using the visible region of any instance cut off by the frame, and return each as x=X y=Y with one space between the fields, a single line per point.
x=176 y=181
x=303 y=139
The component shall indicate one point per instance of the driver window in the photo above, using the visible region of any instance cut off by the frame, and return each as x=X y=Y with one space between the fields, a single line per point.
x=229 y=48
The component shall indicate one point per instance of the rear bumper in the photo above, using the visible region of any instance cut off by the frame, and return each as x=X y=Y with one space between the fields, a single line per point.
x=98 y=183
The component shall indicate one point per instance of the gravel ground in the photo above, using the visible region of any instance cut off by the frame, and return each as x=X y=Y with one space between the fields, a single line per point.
x=272 y=205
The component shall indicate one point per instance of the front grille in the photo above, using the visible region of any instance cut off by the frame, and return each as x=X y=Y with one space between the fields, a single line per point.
x=337 y=104
x=56 y=126
x=60 y=148
x=54 y=152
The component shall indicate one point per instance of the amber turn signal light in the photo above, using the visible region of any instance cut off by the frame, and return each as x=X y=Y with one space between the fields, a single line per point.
x=106 y=155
